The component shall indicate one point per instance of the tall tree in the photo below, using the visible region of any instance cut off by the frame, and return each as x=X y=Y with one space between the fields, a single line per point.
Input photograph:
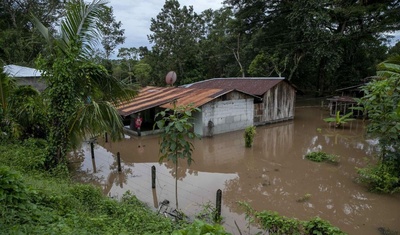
x=81 y=93
x=113 y=35
x=321 y=39
x=19 y=43
x=176 y=32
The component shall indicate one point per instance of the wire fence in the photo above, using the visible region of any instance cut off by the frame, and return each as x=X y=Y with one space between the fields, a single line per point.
x=137 y=179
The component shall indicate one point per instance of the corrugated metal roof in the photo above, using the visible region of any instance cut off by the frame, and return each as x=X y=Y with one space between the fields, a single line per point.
x=150 y=97
x=20 y=71
x=251 y=85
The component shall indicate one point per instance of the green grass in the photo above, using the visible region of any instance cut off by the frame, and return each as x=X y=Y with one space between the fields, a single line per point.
x=35 y=201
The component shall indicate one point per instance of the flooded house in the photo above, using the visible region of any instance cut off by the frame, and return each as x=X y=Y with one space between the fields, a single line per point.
x=25 y=76
x=221 y=110
x=345 y=100
x=275 y=97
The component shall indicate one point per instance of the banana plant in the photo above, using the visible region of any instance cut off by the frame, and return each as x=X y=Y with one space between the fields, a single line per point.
x=339 y=120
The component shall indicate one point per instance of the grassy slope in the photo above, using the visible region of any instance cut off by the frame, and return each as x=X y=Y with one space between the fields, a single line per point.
x=36 y=202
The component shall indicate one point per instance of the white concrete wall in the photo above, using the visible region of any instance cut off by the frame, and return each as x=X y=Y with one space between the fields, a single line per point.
x=228 y=115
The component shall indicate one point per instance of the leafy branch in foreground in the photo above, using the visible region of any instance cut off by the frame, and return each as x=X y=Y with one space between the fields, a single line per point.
x=177 y=131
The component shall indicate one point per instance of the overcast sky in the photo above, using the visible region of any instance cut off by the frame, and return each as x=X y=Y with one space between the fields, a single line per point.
x=135 y=16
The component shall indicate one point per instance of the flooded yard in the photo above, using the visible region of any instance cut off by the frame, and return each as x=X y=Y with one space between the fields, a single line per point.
x=272 y=175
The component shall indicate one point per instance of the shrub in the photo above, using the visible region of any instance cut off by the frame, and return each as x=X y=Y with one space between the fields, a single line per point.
x=249 y=134
x=321 y=157
x=275 y=224
x=381 y=178
x=319 y=226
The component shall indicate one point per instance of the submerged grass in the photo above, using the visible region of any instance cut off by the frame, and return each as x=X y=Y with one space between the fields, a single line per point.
x=322 y=157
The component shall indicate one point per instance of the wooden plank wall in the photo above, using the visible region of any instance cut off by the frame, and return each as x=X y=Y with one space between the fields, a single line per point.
x=278 y=105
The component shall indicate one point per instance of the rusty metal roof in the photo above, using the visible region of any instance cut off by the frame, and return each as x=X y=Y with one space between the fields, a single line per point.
x=346 y=99
x=150 y=97
x=251 y=85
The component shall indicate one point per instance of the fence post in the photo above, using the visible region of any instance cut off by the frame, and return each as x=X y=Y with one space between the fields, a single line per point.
x=92 y=149
x=153 y=177
x=106 y=137
x=119 y=162
x=218 y=206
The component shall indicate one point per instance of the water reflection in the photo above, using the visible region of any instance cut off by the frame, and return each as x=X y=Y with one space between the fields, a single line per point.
x=273 y=175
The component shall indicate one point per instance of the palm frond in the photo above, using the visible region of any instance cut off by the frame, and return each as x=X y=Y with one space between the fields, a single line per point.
x=42 y=29
x=390 y=67
x=93 y=119
x=78 y=25
x=7 y=85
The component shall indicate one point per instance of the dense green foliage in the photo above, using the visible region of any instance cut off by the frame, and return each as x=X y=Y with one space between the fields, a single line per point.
x=382 y=103
x=318 y=45
x=33 y=201
x=81 y=93
x=249 y=134
x=275 y=224
x=381 y=178
x=175 y=144
x=321 y=157
x=22 y=111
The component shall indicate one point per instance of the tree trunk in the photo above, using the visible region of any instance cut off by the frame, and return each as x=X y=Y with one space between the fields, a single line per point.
x=321 y=77
x=176 y=183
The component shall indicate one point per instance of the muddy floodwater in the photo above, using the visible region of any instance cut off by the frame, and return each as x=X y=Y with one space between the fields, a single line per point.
x=272 y=175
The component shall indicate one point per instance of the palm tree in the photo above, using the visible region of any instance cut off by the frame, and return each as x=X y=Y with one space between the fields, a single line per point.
x=81 y=94
x=21 y=110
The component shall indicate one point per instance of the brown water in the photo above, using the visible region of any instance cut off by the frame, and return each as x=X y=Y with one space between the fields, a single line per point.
x=272 y=175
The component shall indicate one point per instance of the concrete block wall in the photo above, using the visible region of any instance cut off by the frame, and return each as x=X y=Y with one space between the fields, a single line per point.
x=226 y=116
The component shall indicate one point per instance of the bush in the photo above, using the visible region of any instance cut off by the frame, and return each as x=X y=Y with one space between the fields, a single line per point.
x=249 y=134
x=275 y=224
x=381 y=178
x=321 y=157
x=319 y=226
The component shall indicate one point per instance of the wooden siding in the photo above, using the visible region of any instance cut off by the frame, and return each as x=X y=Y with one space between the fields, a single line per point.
x=278 y=105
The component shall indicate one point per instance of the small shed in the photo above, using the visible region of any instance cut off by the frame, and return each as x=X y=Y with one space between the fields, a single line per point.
x=25 y=76
x=346 y=102
x=222 y=110
x=276 y=95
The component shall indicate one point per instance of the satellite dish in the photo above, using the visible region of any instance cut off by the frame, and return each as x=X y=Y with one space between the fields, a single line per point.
x=170 y=78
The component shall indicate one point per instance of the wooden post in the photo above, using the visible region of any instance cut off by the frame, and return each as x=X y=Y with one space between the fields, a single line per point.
x=153 y=177
x=155 y=199
x=94 y=165
x=92 y=149
x=218 y=205
x=119 y=162
x=106 y=137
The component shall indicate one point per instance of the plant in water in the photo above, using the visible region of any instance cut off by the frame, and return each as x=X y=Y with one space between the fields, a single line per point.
x=321 y=157
x=273 y=223
x=339 y=120
x=177 y=131
x=249 y=134
x=208 y=213
x=304 y=198
x=381 y=178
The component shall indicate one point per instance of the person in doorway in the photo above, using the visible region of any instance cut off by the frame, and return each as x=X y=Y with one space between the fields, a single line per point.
x=138 y=123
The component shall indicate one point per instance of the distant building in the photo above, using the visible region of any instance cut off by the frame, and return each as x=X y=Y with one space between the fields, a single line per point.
x=25 y=76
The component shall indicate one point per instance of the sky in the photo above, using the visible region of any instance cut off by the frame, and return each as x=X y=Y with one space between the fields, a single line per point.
x=135 y=16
